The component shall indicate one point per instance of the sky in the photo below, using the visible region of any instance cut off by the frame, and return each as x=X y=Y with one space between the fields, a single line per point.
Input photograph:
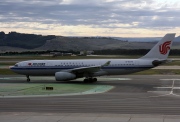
x=110 y=18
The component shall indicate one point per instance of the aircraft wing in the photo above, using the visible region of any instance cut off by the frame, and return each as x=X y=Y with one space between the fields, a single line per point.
x=91 y=69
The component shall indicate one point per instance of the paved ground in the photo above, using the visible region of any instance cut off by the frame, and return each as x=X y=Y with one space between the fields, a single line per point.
x=84 y=117
x=167 y=67
x=134 y=99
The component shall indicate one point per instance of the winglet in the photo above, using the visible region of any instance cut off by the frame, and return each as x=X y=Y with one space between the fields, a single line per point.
x=106 y=64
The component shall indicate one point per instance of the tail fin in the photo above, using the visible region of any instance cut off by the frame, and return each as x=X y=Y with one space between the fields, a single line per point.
x=162 y=48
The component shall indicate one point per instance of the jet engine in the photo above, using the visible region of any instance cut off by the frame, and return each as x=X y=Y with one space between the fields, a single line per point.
x=63 y=76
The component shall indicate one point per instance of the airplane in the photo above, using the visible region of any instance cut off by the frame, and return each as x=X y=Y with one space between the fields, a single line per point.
x=65 y=70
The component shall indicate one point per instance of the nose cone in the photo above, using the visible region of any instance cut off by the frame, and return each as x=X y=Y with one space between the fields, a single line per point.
x=11 y=67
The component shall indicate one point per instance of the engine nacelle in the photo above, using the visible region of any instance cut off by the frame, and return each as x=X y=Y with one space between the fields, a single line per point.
x=63 y=76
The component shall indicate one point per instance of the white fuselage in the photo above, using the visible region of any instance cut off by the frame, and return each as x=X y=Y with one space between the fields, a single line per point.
x=50 y=67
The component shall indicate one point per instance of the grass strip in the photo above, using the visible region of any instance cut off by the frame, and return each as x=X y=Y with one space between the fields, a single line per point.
x=38 y=89
x=6 y=72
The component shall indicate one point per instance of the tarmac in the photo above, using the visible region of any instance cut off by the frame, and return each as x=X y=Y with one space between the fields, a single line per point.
x=84 y=117
x=134 y=98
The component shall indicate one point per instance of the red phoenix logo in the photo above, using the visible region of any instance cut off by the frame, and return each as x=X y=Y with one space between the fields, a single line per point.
x=164 y=48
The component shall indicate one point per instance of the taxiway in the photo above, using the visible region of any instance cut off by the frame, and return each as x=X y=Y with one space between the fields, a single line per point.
x=131 y=95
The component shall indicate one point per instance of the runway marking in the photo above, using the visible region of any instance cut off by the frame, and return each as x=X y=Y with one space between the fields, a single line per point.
x=124 y=79
x=106 y=79
x=171 y=92
x=115 y=78
x=4 y=78
x=167 y=87
x=170 y=79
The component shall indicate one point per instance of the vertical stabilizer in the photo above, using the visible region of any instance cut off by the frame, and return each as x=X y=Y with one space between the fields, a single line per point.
x=162 y=48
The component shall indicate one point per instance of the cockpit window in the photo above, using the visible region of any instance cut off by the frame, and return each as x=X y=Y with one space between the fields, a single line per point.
x=16 y=65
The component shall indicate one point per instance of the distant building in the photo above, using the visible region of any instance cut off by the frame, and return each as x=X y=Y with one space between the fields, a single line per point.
x=84 y=53
x=55 y=54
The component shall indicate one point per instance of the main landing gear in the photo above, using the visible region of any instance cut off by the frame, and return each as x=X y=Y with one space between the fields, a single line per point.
x=28 y=79
x=90 y=80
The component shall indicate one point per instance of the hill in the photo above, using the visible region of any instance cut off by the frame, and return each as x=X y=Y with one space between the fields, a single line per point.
x=14 y=41
x=91 y=43
x=26 y=41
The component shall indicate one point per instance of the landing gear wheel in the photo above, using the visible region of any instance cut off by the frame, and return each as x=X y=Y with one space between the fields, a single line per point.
x=86 y=80
x=94 y=79
x=28 y=79
x=90 y=80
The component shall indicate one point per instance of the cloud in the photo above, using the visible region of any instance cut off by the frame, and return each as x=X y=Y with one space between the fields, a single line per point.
x=97 y=14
